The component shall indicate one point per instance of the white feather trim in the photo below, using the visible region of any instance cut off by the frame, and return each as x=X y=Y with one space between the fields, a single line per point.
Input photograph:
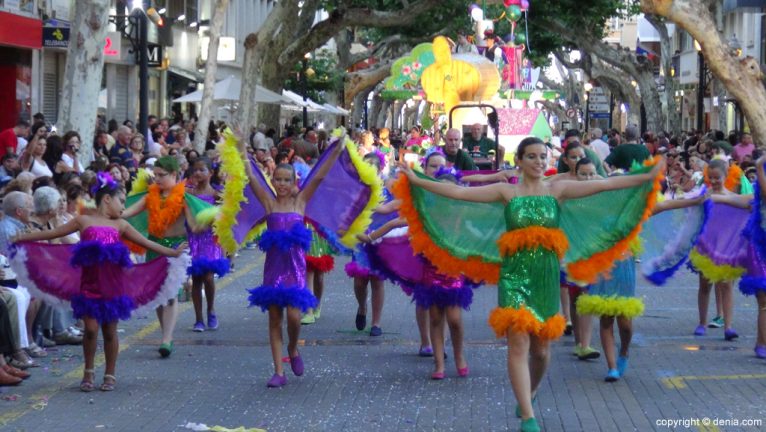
x=174 y=279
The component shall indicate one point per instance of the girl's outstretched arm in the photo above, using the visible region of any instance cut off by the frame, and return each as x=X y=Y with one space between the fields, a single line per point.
x=388 y=207
x=135 y=209
x=486 y=194
x=131 y=234
x=60 y=231
x=308 y=190
x=678 y=203
x=380 y=232
x=734 y=200
x=570 y=189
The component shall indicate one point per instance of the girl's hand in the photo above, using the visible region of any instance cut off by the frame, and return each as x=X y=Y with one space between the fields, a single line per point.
x=404 y=168
x=364 y=238
x=179 y=250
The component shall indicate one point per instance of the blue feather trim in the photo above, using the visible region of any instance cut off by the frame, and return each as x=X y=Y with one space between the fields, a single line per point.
x=103 y=311
x=691 y=268
x=333 y=240
x=92 y=252
x=296 y=296
x=427 y=296
x=754 y=229
x=203 y=266
x=660 y=277
x=298 y=235
x=751 y=285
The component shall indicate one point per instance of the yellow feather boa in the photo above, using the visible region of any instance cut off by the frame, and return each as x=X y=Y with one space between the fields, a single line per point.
x=629 y=307
x=141 y=183
x=712 y=271
x=233 y=192
x=368 y=175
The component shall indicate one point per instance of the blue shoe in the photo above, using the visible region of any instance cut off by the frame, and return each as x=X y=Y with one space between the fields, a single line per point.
x=361 y=322
x=212 y=322
x=376 y=331
x=699 y=331
x=622 y=365
x=530 y=425
x=199 y=327
x=612 y=376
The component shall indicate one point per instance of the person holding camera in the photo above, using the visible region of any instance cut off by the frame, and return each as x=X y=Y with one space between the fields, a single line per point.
x=71 y=141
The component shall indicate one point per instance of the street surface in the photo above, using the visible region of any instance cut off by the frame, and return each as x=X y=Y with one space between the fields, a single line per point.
x=357 y=383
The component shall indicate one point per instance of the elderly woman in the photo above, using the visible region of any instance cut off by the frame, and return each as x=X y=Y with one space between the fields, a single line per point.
x=55 y=322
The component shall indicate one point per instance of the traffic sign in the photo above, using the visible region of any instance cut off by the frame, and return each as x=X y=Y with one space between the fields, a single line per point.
x=571 y=113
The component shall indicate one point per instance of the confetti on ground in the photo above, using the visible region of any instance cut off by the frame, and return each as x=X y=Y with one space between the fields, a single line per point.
x=201 y=427
x=11 y=397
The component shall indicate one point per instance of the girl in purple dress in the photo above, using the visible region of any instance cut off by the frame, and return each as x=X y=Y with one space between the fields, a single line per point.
x=285 y=242
x=208 y=259
x=96 y=275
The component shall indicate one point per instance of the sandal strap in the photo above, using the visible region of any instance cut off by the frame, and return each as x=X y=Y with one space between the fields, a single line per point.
x=89 y=371
x=111 y=377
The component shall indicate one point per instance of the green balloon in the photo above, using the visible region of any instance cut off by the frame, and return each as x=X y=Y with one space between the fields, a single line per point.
x=513 y=12
x=520 y=39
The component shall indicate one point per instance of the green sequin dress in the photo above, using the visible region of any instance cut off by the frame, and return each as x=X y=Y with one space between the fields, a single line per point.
x=530 y=277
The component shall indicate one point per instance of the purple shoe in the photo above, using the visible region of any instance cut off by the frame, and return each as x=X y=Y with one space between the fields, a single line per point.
x=426 y=352
x=277 y=381
x=760 y=351
x=212 y=322
x=730 y=335
x=199 y=327
x=700 y=330
x=296 y=364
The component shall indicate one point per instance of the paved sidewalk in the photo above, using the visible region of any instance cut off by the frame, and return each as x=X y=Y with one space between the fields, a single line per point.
x=357 y=383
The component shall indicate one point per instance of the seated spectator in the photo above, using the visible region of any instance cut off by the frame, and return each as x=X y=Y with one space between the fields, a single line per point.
x=71 y=141
x=9 y=168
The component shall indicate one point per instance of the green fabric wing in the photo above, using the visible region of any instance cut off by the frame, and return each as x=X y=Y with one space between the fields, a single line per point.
x=140 y=221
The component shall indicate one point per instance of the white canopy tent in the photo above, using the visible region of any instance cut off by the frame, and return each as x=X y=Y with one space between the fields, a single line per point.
x=229 y=89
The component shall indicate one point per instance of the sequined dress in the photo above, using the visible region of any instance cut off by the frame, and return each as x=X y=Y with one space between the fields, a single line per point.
x=96 y=275
x=285 y=242
x=207 y=255
x=528 y=287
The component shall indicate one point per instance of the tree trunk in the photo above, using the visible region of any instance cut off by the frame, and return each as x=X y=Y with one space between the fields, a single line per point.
x=743 y=78
x=273 y=78
x=410 y=117
x=211 y=67
x=364 y=79
x=385 y=110
x=671 y=114
x=82 y=76
x=360 y=100
x=374 y=111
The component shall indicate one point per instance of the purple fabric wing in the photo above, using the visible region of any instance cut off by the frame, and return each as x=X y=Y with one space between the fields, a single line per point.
x=251 y=212
x=722 y=240
x=393 y=258
x=44 y=269
x=340 y=197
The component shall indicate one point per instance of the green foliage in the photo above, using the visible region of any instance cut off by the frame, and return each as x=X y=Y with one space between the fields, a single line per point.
x=326 y=78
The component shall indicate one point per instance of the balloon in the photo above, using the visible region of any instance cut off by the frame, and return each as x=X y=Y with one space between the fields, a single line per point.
x=524 y=5
x=513 y=13
x=477 y=14
x=521 y=39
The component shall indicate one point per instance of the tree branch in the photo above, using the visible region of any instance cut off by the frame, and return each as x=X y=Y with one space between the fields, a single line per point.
x=339 y=18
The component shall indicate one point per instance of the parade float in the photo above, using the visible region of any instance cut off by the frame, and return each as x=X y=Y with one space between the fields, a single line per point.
x=476 y=78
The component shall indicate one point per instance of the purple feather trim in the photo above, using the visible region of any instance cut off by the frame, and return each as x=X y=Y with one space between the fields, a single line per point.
x=451 y=171
x=92 y=252
x=427 y=296
x=203 y=266
x=751 y=285
x=355 y=270
x=296 y=296
x=103 y=311
x=297 y=235
x=754 y=229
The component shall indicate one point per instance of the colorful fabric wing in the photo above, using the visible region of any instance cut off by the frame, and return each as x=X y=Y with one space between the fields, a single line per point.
x=393 y=258
x=241 y=213
x=668 y=237
x=140 y=221
x=458 y=237
x=721 y=250
x=601 y=227
x=342 y=205
x=755 y=231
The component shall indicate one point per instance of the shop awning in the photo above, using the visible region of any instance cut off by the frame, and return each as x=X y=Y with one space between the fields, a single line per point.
x=20 y=31
x=188 y=74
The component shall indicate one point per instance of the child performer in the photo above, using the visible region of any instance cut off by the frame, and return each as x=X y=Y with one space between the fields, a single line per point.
x=285 y=242
x=106 y=286
x=164 y=212
x=525 y=260
x=208 y=259
x=754 y=282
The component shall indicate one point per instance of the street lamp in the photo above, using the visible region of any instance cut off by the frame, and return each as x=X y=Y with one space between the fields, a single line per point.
x=304 y=87
x=700 y=87
x=588 y=87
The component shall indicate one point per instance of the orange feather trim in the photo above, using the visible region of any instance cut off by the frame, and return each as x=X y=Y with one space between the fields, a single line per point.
x=164 y=212
x=521 y=320
x=589 y=269
x=733 y=178
x=472 y=267
x=533 y=237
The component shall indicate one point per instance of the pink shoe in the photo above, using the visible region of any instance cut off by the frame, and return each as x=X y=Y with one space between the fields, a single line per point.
x=437 y=376
x=462 y=372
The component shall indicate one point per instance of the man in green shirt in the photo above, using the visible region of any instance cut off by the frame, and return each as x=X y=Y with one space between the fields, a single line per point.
x=456 y=156
x=624 y=155
x=478 y=143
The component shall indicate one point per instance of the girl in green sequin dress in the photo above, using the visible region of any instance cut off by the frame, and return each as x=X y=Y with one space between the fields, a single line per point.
x=524 y=262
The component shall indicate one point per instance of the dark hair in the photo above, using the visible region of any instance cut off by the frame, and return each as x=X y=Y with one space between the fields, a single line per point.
x=68 y=136
x=43 y=181
x=526 y=142
x=209 y=164
x=448 y=177
x=53 y=151
x=110 y=190
x=571 y=146
x=22 y=123
x=282 y=158
x=35 y=128
x=286 y=166
x=583 y=161
x=74 y=191
x=8 y=156
x=433 y=154
x=372 y=159
x=67 y=177
x=571 y=133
